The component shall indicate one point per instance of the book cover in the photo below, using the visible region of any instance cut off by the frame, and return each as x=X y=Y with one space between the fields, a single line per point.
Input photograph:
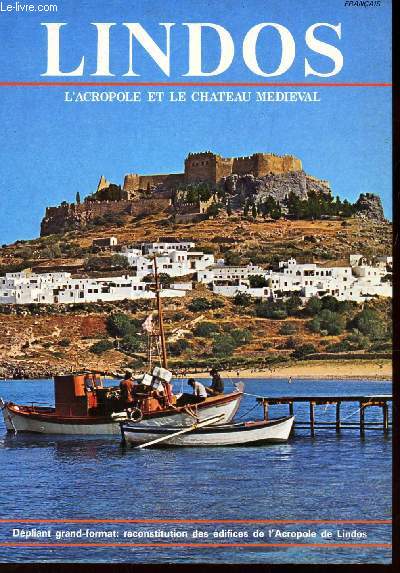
x=196 y=253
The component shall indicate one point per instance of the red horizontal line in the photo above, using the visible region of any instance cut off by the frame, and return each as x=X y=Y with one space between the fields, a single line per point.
x=200 y=545
x=273 y=521
x=194 y=84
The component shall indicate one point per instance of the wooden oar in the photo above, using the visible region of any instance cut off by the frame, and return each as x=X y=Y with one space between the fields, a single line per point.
x=206 y=422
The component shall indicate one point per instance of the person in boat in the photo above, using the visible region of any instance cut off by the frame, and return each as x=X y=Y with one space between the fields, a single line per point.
x=158 y=391
x=163 y=391
x=217 y=384
x=89 y=386
x=126 y=386
x=199 y=390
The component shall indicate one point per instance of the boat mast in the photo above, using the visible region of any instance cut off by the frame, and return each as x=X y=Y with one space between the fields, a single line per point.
x=160 y=317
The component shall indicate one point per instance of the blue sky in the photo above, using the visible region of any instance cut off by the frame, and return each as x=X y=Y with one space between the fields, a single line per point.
x=51 y=149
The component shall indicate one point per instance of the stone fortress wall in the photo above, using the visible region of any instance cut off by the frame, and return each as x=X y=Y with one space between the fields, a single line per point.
x=69 y=216
x=134 y=182
x=210 y=168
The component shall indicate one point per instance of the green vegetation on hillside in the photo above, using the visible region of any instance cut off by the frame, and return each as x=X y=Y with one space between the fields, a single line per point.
x=317 y=205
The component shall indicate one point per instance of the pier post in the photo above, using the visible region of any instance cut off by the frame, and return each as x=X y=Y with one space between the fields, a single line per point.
x=338 y=416
x=338 y=422
x=312 y=417
x=362 y=419
x=385 y=413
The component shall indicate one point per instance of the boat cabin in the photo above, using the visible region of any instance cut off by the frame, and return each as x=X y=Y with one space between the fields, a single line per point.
x=84 y=394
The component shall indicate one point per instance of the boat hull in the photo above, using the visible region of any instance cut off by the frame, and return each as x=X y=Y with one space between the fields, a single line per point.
x=17 y=423
x=45 y=421
x=246 y=434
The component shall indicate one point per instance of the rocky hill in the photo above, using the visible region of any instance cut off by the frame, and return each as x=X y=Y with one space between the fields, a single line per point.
x=277 y=188
x=370 y=206
x=276 y=185
x=38 y=341
x=258 y=240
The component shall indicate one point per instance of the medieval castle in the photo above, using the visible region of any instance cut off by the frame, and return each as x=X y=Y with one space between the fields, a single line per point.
x=208 y=167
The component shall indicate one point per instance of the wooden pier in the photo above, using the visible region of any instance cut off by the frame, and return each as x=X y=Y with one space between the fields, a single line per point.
x=361 y=404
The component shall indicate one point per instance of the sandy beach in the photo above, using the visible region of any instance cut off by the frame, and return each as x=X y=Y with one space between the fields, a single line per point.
x=324 y=370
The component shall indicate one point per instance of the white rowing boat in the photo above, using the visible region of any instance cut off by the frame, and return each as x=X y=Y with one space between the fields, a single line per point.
x=240 y=434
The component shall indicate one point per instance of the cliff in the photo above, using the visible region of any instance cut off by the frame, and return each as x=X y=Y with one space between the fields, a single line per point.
x=369 y=206
x=277 y=185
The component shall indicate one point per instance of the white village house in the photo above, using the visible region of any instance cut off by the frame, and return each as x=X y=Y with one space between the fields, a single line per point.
x=171 y=259
x=53 y=288
x=166 y=247
x=229 y=273
x=358 y=281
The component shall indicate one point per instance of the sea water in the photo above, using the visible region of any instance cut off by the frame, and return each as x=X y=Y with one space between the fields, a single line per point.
x=328 y=478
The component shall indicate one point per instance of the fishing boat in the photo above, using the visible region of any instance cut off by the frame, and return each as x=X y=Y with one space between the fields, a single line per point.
x=84 y=405
x=206 y=433
x=99 y=411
